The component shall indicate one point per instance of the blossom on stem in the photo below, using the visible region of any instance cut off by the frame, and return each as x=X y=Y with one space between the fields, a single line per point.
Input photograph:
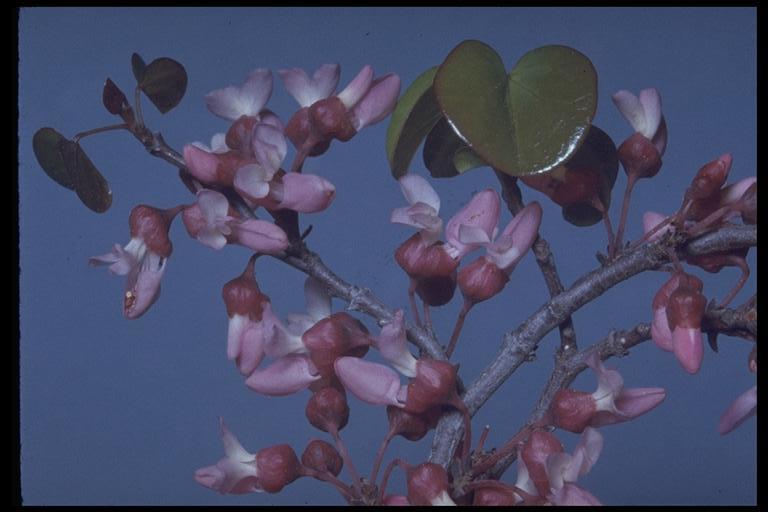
x=474 y=225
x=423 y=210
x=743 y=408
x=307 y=90
x=143 y=259
x=392 y=344
x=610 y=403
x=564 y=469
x=641 y=153
x=247 y=100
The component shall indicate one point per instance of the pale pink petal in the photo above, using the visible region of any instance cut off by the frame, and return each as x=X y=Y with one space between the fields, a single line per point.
x=421 y=216
x=269 y=146
x=688 y=347
x=473 y=235
x=201 y=164
x=524 y=482
x=287 y=375
x=659 y=140
x=219 y=143
x=741 y=409
x=733 y=192
x=517 y=238
x=418 y=190
x=268 y=117
x=357 y=88
x=653 y=219
x=252 y=349
x=651 y=102
x=142 y=288
x=629 y=404
x=120 y=262
x=372 y=383
x=259 y=235
x=481 y=211
x=233 y=102
x=392 y=344
x=213 y=205
x=236 y=328
x=306 y=193
x=317 y=299
x=306 y=91
x=585 y=454
x=571 y=495
x=378 y=102
x=211 y=237
x=252 y=181
x=660 y=332
x=232 y=447
x=630 y=107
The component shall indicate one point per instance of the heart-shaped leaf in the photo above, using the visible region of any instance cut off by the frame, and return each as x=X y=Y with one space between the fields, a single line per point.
x=164 y=81
x=414 y=116
x=90 y=186
x=445 y=154
x=49 y=147
x=138 y=66
x=113 y=98
x=552 y=97
x=471 y=89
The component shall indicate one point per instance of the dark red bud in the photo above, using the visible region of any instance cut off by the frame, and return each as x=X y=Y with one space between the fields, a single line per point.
x=152 y=225
x=321 y=456
x=537 y=448
x=327 y=408
x=500 y=495
x=277 y=467
x=710 y=178
x=333 y=337
x=329 y=119
x=639 y=156
x=426 y=482
x=434 y=384
x=481 y=280
x=571 y=410
x=686 y=308
x=437 y=290
x=242 y=295
x=412 y=426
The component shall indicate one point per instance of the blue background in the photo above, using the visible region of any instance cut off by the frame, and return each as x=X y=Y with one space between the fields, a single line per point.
x=123 y=412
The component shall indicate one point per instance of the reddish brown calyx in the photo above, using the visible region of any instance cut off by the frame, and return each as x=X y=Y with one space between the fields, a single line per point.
x=242 y=295
x=327 y=409
x=481 y=280
x=335 y=336
x=537 y=448
x=639 y=156
x=323 y=457
x=151 y=225
x=277 y=467
x=427 y=485
x=412 y=426
x=572 y=410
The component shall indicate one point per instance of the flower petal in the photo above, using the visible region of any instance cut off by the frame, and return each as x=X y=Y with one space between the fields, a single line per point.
x=142 y=288
x=306 y=91
x=651 y=102
x=306 y=193
x=418 y=190
x=357 y=88
x=269 y=145
x=201 y=164
x=120 y=261
x=318 y=301
x=287 y=375
x=517 y=238
x=630 y=107
x=259 y=235
x=247 y=100
x=688 y=347
x=392 y=344
x=252 y=181
x=740 y=410
x=481 y=211
x=378 y=102
x=372 y=383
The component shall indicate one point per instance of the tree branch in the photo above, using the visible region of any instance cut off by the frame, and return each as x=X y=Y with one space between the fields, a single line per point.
x=518 y=345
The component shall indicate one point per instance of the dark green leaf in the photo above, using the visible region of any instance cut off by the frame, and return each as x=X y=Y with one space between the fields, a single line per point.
x=597 y=153
x=414 y=116
x=445 y=154
x=49 y=145
x=138 y=67
x=113 y=98
x=164 y=81
x=91 y=187
x=552 y=100
x=471 y=89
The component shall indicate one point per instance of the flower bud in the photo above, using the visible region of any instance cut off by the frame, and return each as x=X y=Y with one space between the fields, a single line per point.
x=321 y=456
x=412 y=426
x=437 y=290
x=710 y=178
x=420 y=260
x=333 y=337
x=684 y=314
x=428 y=485
x=151 y=225
x=329 y=118
x=481 y=280
x=639 y=156
x=242 y=295
x=327 y=409
x=537 y=448
x=572 y=410
x=277 y=467
x=434 y=384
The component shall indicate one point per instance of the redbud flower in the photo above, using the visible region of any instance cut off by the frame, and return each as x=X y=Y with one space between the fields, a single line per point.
x=372 y=383
x=610 y=403
x=392 y=344
x=428 y=485
x=143 y=259
x=247 y=100
x=473 y=225
x=641 y=153
x=285 y=376
x=740 y=410
x=211 y=221
x=564 y=469
x=307 y=91
x=241 y=472
x=368 y=101
x=327 y=409
x=532 y=470
x=423 y=210
x=211 y=167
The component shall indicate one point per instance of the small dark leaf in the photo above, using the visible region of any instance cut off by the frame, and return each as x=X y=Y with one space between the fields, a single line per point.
x=414 y=116
x=138 y=67
x=49 y=145
x=164 y=81
x=113 y=98
x=91 y=187
x=445 y=154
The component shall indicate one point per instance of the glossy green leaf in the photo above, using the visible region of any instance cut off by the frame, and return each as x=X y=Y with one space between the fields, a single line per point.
x=414 y=116
x=445 y=154
x=471 y=89
x=49 y=145
x=164 y=81
x=552 y=97
x=597 y=152
x=90 y=186
x=138 y=66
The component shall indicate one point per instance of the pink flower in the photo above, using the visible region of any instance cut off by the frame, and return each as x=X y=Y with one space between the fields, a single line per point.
x=610 y=403
x=368 y=101
x=240 y=472
x=210 y=221
x=564 y=470
x=307 y=91
x=392 y=344
x=372 y=383
x=644 y=114
x=143 y=259
x=247 y=100
x=423 y=210
x=743 y=408
x=474 y=225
